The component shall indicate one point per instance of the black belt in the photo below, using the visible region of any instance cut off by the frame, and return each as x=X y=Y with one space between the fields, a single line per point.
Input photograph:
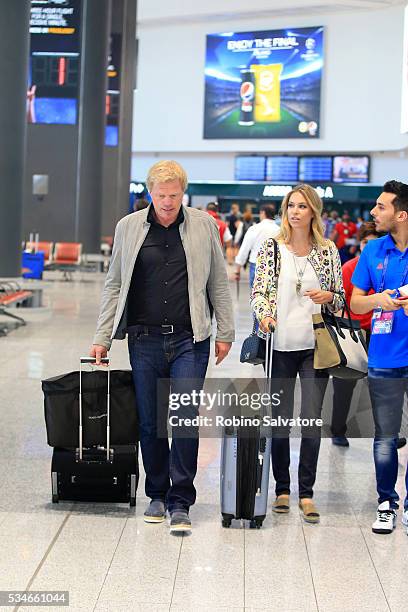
x=161 y=330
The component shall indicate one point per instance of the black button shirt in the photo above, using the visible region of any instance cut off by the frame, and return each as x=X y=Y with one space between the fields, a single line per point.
x=158 y=292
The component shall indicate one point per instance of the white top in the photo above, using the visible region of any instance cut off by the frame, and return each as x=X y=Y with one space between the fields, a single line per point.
x=253 y=239
x=294 y=325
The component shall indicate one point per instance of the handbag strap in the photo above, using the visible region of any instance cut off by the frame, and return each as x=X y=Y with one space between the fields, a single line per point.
x=275 y=263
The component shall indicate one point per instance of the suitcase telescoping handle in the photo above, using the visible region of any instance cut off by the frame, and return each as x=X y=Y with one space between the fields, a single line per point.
x=268 y=376
x=92 y=360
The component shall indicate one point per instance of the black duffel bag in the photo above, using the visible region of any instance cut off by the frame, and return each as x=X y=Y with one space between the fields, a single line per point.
x=61 y=407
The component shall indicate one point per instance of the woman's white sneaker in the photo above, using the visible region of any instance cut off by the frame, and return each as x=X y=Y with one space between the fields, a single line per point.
x=386 y=518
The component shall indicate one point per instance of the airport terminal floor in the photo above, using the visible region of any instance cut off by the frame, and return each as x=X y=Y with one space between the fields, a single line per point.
x=111 y=561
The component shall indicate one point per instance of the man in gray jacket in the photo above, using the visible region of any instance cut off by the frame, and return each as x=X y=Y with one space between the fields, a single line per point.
x=166 y=263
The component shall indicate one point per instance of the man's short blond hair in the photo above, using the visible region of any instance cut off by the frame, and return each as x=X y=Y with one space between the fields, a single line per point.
x=165 y=171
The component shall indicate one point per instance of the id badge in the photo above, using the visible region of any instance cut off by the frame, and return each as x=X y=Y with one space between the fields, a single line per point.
x=382 y=321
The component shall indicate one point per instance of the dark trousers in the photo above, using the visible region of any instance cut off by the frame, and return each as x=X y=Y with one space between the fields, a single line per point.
x=342 y=395
x=175 y=357
x=286 y=366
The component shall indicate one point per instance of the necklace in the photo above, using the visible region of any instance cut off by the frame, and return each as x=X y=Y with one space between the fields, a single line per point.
x=299 y=275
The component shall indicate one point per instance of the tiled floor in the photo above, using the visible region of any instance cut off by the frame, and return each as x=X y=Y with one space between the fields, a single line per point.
x=111 y=561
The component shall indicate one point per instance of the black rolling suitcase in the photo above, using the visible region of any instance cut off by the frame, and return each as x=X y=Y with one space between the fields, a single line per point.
x=245 y=463
x=98 y=473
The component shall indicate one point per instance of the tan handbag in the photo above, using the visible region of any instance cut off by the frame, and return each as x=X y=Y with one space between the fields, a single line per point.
x=326 y=354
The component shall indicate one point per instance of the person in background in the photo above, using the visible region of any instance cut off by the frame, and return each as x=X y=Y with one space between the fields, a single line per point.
x=344 y=236
x=233 y=217
x=225 y=235
x=254 y=237
x=383 y=267
x=140 y=204
x=243 y=226
x=307 y=275
x=233 y=220
x=331 y=222
x=343 y=388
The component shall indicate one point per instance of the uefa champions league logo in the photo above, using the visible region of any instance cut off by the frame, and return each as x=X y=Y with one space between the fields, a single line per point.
x=310 y=44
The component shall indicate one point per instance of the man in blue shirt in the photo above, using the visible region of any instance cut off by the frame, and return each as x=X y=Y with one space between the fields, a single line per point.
x=383 y=266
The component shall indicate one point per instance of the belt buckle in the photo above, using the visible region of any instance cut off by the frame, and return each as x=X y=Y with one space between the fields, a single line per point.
x=166 y=333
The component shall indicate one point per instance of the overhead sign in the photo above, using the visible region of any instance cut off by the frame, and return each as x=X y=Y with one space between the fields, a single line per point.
x=53 y=83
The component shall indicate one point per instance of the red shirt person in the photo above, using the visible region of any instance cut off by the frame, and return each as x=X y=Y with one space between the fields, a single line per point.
x=344 y=230
x=343 y=388
x=225 y=235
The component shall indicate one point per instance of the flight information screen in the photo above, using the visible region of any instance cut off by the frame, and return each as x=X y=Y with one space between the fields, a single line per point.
x=315 y=169
x=250 y=168
x=113 y=92
x=281 y=168
x=53 y=83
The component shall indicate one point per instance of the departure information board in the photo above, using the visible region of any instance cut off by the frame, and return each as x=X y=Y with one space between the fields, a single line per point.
x=53 y=84
x=315 y=169
x=250 y=168
x=281 y=168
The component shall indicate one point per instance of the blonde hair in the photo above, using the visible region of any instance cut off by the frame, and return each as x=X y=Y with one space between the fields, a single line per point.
x=316 y=206
x=165 y=171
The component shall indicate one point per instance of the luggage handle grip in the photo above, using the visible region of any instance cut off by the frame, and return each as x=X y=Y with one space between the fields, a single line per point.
x=104 y=360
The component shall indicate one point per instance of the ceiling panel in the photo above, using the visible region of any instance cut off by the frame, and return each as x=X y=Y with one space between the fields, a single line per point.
x=155 y=12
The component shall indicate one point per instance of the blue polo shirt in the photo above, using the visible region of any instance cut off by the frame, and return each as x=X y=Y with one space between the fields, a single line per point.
x=385 y=350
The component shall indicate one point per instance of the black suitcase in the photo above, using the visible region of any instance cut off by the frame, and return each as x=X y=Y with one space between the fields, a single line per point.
x=96 y=474
x=94 y=478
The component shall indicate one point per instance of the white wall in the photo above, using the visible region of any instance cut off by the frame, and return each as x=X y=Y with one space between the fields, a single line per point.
x=361 y=94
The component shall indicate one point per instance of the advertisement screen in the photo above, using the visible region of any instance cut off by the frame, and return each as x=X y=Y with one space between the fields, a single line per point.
x=351 y=169
x=315 y=169
x=263 y=84
x=53 y=82
x=113 y=93
x=250 y=168
x=282 y=168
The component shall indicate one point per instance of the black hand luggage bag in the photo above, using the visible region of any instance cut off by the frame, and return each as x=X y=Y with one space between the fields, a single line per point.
x=99 y=472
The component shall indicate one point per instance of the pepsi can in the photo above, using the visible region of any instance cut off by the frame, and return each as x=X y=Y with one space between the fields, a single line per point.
x=247 y=93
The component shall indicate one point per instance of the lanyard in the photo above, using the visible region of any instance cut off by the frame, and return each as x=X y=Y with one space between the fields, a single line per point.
x=385 y=266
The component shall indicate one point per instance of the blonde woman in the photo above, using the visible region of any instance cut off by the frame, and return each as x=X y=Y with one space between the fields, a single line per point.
x=307 y=276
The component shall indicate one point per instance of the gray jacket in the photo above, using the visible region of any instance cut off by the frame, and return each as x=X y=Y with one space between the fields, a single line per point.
x=205 y=268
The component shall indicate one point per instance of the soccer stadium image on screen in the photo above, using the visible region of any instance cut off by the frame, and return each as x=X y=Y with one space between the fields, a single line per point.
x=263 y=84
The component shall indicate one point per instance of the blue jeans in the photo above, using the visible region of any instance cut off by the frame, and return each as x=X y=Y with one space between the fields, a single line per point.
x=387 y=389
x=169 y=472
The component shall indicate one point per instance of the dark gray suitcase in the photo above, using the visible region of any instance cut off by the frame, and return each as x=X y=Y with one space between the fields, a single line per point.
x=245 y=463
x=96 y=474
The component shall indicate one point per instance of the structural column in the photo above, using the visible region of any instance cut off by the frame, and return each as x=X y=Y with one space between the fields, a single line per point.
x=117 y=162
x=94 y=54
x=14 y=51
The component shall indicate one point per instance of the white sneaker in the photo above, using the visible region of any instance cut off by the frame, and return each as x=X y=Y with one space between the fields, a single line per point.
x=386 y=517
x=405 y=519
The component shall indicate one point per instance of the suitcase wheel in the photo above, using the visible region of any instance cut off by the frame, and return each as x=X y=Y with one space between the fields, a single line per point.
x=55 y=499
x=256 y=524
x=132 y=502
x=226 y=522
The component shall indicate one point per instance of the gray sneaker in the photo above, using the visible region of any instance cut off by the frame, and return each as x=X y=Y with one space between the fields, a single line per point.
x=155 y=512
x=180 y=521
